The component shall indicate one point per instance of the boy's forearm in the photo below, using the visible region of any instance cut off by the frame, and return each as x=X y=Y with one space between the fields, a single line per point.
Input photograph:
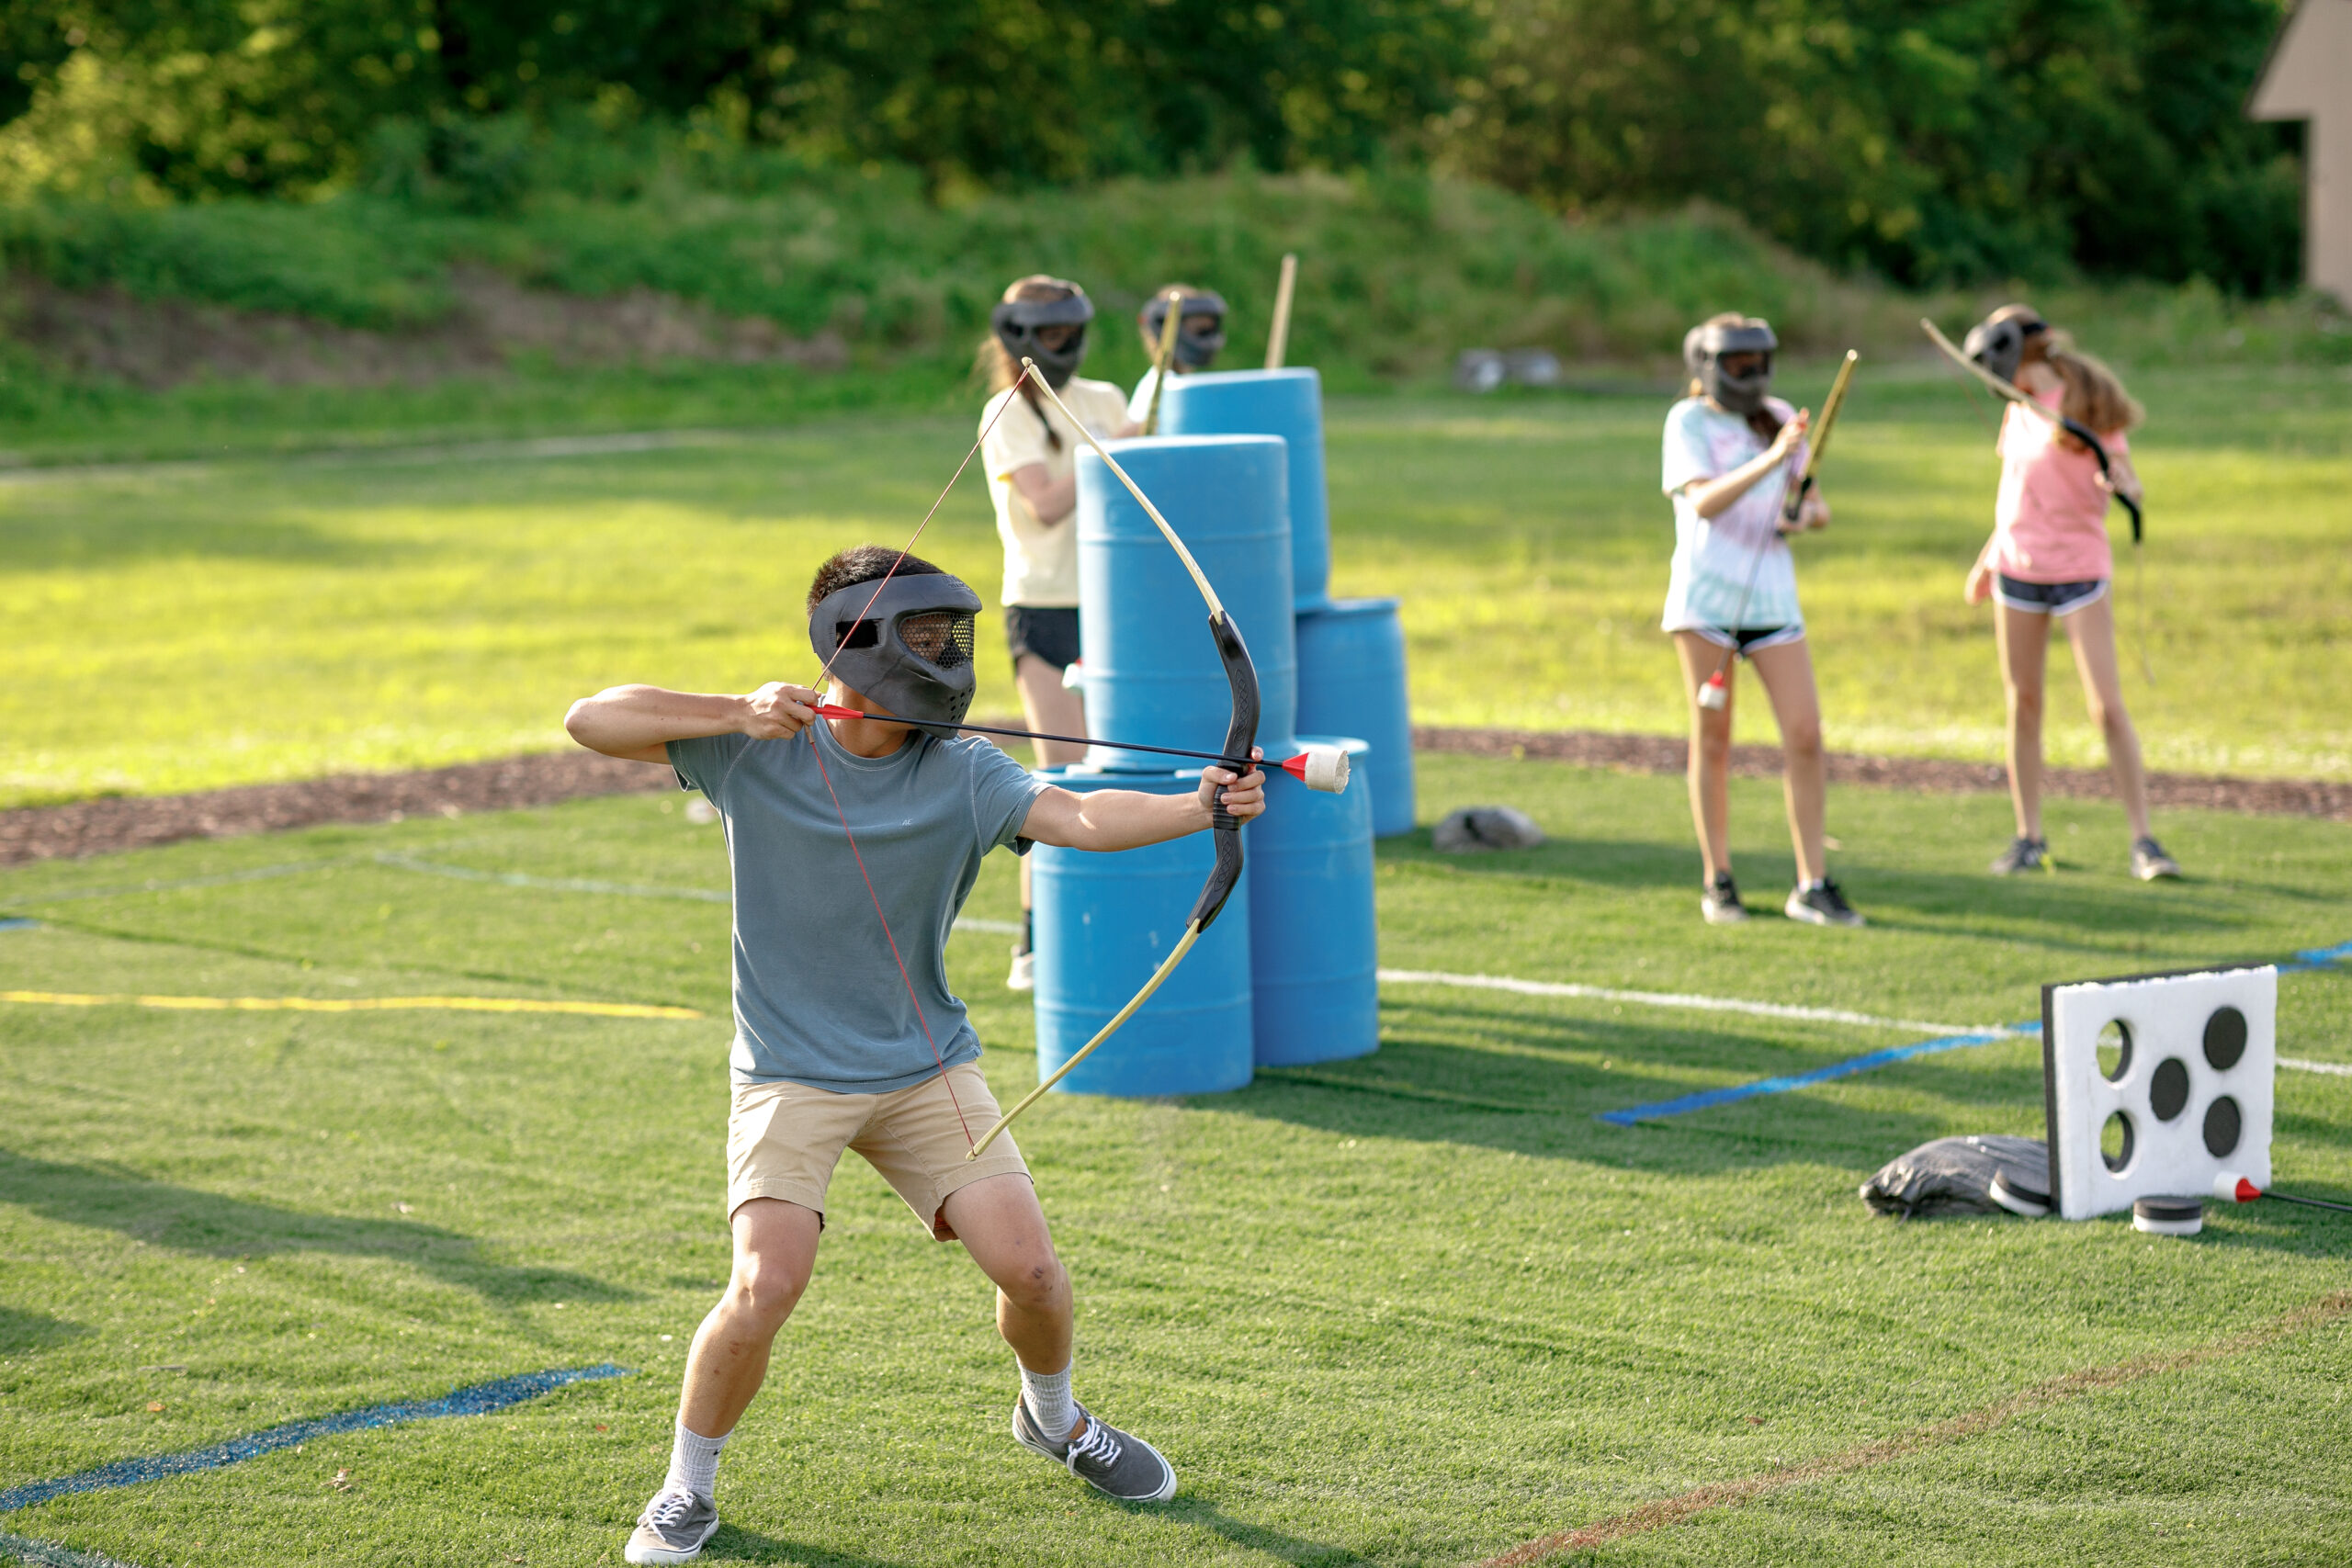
x=1128 y=819
x=629 y=721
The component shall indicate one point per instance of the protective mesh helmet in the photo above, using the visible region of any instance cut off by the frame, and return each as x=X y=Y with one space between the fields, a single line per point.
x=1195 y=349
x=1018 y=321
x=1704 y=348
x=1999 y=345
x=908 y=652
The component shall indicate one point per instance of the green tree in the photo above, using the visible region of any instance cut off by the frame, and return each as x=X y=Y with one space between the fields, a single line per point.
x=1930 y=138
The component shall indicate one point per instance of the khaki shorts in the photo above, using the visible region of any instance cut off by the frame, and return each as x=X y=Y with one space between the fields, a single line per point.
x=784 y=1139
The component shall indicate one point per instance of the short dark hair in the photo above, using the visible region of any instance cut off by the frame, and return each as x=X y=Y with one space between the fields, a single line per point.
x=865 y=563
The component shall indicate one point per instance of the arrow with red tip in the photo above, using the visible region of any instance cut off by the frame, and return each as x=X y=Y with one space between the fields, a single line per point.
x=2233 y=1188
x=1321 y=768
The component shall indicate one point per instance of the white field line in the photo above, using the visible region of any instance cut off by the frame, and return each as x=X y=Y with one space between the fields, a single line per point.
x=2333 y=1069
x=1680 y=999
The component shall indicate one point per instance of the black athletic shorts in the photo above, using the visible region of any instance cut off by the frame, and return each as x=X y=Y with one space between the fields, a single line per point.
x=1049 y=631
x=1747 y=639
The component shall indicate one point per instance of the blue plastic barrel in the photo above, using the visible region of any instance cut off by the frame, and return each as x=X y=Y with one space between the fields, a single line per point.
x=1314 y=957
x=1103 y=923
x=1152 y=673
x=1288 y=403
x=1351 y=681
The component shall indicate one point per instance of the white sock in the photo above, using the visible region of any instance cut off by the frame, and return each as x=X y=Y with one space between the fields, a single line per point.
x=1816 y=884
x=693 y=1462
x=1050 y=1405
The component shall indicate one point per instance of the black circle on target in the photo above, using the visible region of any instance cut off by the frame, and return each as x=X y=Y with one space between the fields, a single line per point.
x=2223 y=1123
x=2168 y=1088
x=2224 y=1038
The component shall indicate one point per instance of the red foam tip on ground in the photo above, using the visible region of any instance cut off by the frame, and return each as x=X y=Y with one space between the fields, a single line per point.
x=2247 y=1191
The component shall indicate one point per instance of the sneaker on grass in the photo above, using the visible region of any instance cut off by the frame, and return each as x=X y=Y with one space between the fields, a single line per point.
x=673 y=1529
x=2149 y=861
x=2023 y=854
x=1823 y=904
x=1720 y=903
x=1023 y=976
x=1116 y=1463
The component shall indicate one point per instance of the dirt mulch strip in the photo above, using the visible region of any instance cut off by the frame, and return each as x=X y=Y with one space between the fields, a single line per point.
x=105 y=826
x=1666 y=754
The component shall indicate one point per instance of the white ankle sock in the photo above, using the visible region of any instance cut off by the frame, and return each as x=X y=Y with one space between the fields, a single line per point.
x=693 y=1462
x=1050 y=1405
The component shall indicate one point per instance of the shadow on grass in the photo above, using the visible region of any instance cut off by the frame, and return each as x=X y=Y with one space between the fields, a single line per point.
x=187 y=1219
x=1541 y=1096
x=36 y=1330
x=733 y=1543
x=1257 y=1538
x=2055 y=912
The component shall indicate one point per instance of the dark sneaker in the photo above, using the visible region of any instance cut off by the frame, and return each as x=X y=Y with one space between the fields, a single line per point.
x=673 y=1529
x=2149 y=861
x=1115 y=1463
x=1720 y=903
x=2023 y=854
x=1822 y=906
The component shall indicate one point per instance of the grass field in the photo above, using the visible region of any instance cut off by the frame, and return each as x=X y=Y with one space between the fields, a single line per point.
x=1410 y=1310
x=180 y=627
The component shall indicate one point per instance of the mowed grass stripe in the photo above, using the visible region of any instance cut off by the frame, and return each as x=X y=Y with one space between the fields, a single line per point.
x=1668 y=1511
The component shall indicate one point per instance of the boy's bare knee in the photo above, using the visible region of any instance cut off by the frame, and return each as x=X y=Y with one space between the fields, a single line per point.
x=1803 y=739
x=767 y=1288
x=1041 y=1287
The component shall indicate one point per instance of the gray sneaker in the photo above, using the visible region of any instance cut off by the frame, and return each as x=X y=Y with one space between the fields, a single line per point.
x=673 y=1529
x=1116 y=1463
x=2149 y=861
x=1822 y=906
x=1720 y=905
x=2023 y=854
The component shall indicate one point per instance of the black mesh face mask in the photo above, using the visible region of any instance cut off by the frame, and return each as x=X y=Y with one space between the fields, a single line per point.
x=1704 y=348
x=2000 y=346
x=910 y=652
x=1197 y=346
x=1018 y=323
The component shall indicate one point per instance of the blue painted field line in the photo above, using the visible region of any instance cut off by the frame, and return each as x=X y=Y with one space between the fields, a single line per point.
x=479 y=1400
x=2308 y=958
x=1705 y=1099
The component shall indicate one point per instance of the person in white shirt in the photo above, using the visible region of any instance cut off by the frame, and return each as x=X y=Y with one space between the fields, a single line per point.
x=1731 y=452
x=1032 y=458
x=1200 y=336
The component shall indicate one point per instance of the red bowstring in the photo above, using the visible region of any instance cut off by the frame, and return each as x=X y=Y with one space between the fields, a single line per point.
x=817 y=752
x=825 y=675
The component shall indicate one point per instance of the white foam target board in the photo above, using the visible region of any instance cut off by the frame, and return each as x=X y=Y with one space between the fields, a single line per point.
x=2202 y=1045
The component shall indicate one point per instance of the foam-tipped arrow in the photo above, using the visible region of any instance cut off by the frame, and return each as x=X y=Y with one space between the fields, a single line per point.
x=1323 y=768
x=2232 y=1188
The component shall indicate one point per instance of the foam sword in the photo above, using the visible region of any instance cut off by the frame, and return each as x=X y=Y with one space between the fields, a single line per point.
x=1322 y=768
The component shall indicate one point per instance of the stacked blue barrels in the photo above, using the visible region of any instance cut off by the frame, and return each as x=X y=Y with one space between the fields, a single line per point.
x=1287 y=973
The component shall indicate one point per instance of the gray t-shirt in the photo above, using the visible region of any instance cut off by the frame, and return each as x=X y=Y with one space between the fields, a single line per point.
x=818 y=996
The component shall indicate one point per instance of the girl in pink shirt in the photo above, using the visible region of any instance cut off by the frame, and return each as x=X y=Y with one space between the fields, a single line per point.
x=2048 y=560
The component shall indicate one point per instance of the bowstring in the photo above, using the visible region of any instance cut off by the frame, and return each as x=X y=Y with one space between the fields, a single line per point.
x=824 y=677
